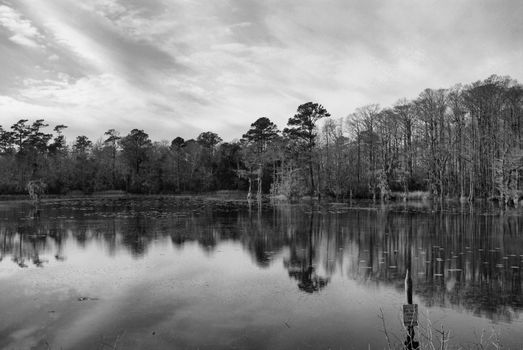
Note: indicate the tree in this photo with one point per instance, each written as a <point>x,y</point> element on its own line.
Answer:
<point>208,139</point>
<point>256,143</point>
<point>32,145</point>
<point>59,141</point>
<point>112,142</point>
<point>207,163</point>
<point>431,107</point>
<point>135,147</point>
<point>486,101</point>
<point>466,141</point>
<point>335,154</point>
<point>302,127</point>
<point>83,165</point>
<point>177,145</point>
<point>6,141</point>
<point>196,168</point>
<point>461,152</point>
<point>37,139</point>
<point>36,189</point>
<point>262,132</point>
<point>405,111</point>
<point>229,161</point>
<point>82,146</point>
<point>20,132</point>
<point>368,143</point>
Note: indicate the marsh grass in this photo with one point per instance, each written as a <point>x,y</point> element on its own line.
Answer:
<point>438,337</point>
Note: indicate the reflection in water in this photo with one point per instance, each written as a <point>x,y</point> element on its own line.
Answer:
<point>458,260</point>
<point>301,268</point>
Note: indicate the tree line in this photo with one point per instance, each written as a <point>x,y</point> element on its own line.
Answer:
<point>464,141</point>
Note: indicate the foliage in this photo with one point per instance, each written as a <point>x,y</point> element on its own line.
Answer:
<point>302,129</point>
<point>36,188</point>
<point>257,150</point>
<point>208,139</point>
<point>464,141</point>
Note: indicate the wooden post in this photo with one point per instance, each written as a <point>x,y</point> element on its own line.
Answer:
<point>408,288</point>
<point>410,312</point>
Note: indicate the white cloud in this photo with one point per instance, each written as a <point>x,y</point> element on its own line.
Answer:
<point>79,43</point>
<point>23,40</point>
<point>182,67</point>
<point>24,33</point>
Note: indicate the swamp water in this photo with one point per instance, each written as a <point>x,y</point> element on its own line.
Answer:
<point>181,273</point>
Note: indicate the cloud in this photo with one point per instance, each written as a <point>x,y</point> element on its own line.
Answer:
<point>24,33</point>
<point>92,105</point>
<point>177,68</point>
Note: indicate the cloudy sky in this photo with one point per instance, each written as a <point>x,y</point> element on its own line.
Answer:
<point>180,67</point>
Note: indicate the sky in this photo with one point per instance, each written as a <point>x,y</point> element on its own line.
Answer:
<point>181,67</point>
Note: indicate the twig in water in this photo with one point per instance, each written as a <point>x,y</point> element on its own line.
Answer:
<point>113,346</point>
<point>443,342</point>
<point>385,329</point>
<point>116,340</point>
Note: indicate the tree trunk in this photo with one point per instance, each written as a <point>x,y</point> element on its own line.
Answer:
<point>311,172</point>
<point>260,174</point>
<point>249,194</point>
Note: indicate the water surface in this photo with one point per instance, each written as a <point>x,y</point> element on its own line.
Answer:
<point>180,273</point>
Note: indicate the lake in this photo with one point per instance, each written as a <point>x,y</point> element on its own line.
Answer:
<point>194,273</point>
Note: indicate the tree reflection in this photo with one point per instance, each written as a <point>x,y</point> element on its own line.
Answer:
<point>19,256</point>
<point>465,260</point>
<point>301,268</point>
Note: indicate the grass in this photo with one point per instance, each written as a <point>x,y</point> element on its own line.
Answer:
<point>434,338</point>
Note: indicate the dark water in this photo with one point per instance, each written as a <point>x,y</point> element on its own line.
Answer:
<point>195,274</point>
